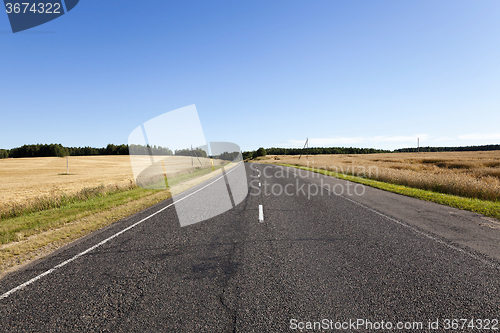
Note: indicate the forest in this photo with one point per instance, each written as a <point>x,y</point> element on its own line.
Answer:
<point>55,149</point>
<point>343,150</point>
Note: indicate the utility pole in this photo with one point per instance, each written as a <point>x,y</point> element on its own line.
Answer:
<point>418,145</point>
<point>307,148</point>
<point>67,165</point>
<point>193,153</point>
<point>305,144</point>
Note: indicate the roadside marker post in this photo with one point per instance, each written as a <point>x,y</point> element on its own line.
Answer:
<point>164,173</point>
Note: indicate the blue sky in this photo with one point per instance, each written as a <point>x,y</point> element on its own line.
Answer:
<point>261,73</point>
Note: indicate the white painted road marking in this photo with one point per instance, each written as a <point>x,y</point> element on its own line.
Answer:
<point>487,262</point>
<point>27,283</point>
<point>261,214</point>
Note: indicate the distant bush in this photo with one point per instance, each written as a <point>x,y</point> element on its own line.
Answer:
<point>247,155</point>
<point>260,152</point>
<point>4,153</point>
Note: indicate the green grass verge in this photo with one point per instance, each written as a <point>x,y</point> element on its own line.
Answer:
<point>56,201</point>
<point>172,181</point>
<point>169,182</point>
<point>20,227</point>
<point>51,213</point>
<point>487,208</point>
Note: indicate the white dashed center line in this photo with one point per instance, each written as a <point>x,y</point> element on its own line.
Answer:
<point>261,213</point>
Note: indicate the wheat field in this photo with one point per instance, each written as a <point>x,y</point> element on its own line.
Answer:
<point>467,174</point>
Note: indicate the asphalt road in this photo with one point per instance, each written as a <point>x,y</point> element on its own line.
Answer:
<point>302,257</point>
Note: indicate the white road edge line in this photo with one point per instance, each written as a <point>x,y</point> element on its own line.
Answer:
<point>484,261</point>
<point>261,213</point>
<point>64,263</point>
<point>437,240</point>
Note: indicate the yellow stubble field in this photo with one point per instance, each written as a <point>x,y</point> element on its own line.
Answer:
<point>24,179</point>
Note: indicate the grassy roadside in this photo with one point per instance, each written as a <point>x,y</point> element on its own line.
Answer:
<point>172,181</point>
<point>56,201</point>
<point>33,235</point>
<point>41,214</point>
<point>34,230</point>
<point>197,173</point>
<point>487,208</point>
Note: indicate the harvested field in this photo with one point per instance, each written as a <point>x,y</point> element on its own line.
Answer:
<point>467,174</point>
<point>25,179</point>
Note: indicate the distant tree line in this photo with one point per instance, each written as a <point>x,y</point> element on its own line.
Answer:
<point>55,149</point>
<point>198,152</point>
<point>311,151</point>
<point>437,149</point>
<point>323,150</point>
<point>146,150</point>
<point>341,150</point>
<point>227,156</point>
<point>109,150</point>
<point>39,150</point>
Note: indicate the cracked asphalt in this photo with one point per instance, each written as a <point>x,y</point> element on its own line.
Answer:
<point>377,256</point>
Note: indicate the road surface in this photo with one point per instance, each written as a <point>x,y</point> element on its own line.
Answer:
<point>277,262</point>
